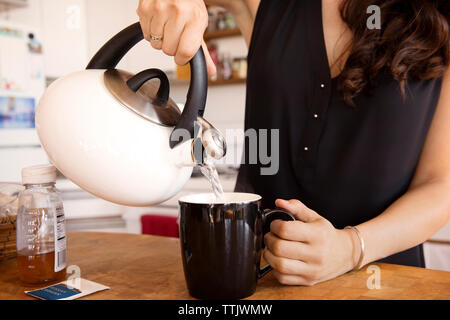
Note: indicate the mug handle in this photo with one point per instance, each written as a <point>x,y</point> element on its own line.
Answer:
<point>268,217</point>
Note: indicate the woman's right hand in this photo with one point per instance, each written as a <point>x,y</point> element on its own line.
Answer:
<point>181,25</point>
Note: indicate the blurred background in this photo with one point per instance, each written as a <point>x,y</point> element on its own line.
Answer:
<point>42,40</point>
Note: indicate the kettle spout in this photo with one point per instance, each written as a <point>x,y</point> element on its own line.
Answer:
<point>212,140</point>
<point>189,154</point>
<point>210,144</point>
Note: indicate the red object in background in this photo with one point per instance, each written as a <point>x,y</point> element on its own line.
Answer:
<point>214,53</point>
<point>160,226</point>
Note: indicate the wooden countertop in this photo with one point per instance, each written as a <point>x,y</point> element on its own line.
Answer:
<point>147,267</point>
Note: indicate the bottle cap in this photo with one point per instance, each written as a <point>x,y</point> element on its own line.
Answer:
<point>39,174</point>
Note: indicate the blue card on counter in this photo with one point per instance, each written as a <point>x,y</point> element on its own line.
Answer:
<point>56,292</point>
<point>68,290</point>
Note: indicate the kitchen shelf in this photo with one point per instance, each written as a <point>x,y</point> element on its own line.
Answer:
<point>178,82</point>
<point>6,5</point>
<point>222,34</point>
<point>220,82</point>
<point>229,81</point>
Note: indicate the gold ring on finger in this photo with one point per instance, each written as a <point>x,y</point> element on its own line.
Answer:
<point>156,38</point>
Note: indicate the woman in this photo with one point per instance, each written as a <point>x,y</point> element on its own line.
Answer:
<point>363,117</point>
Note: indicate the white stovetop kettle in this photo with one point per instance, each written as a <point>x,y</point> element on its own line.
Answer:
<point>119,136</point>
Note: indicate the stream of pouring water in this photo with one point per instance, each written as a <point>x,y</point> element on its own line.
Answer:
<point>210,172</point>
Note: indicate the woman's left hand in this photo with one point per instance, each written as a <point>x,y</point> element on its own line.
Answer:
<point>309,250</point>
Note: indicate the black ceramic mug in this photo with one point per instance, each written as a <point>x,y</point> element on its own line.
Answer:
<point>221,243</point>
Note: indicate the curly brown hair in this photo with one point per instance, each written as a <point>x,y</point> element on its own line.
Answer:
<point>414,41</point>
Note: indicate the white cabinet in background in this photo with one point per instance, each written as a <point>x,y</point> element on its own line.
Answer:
<point>12,160</point>
<point>105,18</point>
<point>29,15</point>
<point>74,30</point>
<point>64,31</point>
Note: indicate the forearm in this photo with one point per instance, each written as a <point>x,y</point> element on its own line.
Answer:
<point>311,250</point>
<point>244,19</point>
<point>409,221</point>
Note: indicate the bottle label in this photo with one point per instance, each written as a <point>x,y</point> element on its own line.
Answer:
<point>60,239</point>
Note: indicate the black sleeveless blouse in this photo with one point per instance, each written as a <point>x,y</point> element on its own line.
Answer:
<point>348,164</point>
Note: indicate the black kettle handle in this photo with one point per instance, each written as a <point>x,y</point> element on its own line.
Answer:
<point>115,49</point>
<point>195,100</point>
<point>136,82</point>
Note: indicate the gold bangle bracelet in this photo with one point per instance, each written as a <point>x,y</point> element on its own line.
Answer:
<point>361,242</point>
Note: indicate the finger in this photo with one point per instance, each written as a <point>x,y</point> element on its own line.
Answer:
<point>298,209</point>
<point>172,35</point>
<point>157,27</point>
<point>292,230</point>
<point>210,65</point>
<point>190,42</point>
<point>145,16</point>
<point>286,266</point>
<point>145,26</point>
<point>288,249</point>
<point>291,280</point>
